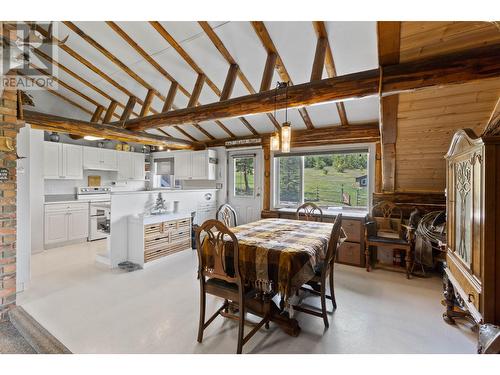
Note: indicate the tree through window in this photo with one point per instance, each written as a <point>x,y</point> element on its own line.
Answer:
<point>244,176</point>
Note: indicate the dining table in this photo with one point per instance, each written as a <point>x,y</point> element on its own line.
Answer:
<point>278,256</point>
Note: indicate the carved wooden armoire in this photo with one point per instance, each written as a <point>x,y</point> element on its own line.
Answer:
<point>473,220</point>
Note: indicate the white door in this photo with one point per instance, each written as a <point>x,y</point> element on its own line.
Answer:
<point>52,158</point>
<point>245,171</point>
<point>73,161</point>
<point>199,165</point>
<point>108,159</point>
<point>56,225</point>
<point>78,224</point>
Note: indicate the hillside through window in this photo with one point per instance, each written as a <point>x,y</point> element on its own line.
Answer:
<point>328,180</point>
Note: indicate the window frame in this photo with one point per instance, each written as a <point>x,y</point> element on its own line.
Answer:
<point>370,170</point>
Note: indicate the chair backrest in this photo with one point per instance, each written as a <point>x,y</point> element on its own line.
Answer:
<point>388,216</point>
<point>333,243</point>
<point>310,212</point>
<point>225,213</point>
<point>216,246</point>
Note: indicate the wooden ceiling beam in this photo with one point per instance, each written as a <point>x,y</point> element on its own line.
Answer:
<point>472,65</point>
<point>267,42</point>
<point>388,37</point>
<point>97,114</point>
<point>79,78</point>
<point>358,133</point>
<point>320,28</point>
<point>110,112</point>
<point>267,74</point>
<point>198,86</point>
<point>178,48</point>
<point>217,42</point>
<point>231,76</point>
<point>82,128</point>
<point>148,100</point>
<point>172,91</point>
<point>319,59</point>
<point>128,109</point>
<point>85,62</point>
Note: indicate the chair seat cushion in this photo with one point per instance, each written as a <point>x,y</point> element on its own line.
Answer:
<point>387,240</point>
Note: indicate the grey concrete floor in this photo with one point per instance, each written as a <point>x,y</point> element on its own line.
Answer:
<point>92,309</point>
<point>11,341</point>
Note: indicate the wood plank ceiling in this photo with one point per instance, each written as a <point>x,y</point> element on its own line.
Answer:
<point>142,64</point>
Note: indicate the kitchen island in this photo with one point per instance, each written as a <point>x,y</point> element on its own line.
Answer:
<point>202,202</point>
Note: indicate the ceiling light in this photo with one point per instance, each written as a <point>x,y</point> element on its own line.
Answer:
<point>286,135</point>
<point>92,138</point>
<point>275,142</point>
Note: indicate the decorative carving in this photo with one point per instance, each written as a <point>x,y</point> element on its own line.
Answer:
<point>464,184</point>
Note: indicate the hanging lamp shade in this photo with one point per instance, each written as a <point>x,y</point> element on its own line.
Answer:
<point>275,142</point>
<point>286,136</point>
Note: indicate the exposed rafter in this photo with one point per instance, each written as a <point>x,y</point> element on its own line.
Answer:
<point>319,27</point>
<point>456,68</point>
<point>79,78</point>
<point>178,48</point>
<point>113,59</point>
<point>267,42</point>
<point>217,42</point>
<point>82,128</point>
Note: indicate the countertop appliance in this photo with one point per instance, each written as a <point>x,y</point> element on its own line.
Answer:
<point>99,199</point>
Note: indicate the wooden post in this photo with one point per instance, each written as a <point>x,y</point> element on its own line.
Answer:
<point>148,100</point>
<point>170,96</point>
<point>110,111</point>
<point>127,111</point>
<point>195,95</point>
<point>227,90</point>
<point>97,114</point>
<point>267,75</point>
<point>319,59</point>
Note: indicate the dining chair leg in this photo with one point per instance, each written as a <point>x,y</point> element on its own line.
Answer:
<point>367,257</point>
<point>202,313</point>
<point>323,304</point>
<point>241,325</point>
<point>332,289</point>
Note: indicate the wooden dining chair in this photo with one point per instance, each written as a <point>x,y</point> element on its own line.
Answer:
<point>222,280</point>
<point>326,269</point>
<point>227,214</point>
<point>309,212</point>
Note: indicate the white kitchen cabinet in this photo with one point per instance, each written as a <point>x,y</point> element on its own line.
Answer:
<point>130,166</point>
<point>62,161</point>
<point>182,165</point>
<point>99,159</point>
<point>195,165</point>
<point>65,222</point>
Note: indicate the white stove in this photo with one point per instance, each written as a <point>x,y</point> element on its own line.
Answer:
<point>94,193</point>
<point>100,210</point>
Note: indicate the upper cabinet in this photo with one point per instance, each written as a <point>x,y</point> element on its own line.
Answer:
<point>130,166</point>
<point>99,159</point>
<point>195,165</point>
<point>63,161</point>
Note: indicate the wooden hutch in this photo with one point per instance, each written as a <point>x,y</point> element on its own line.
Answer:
<point>473,209</point>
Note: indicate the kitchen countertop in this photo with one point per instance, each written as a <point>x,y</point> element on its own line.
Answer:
<point>168,216</point>
<point>63,198</point>
<point>155,191</point>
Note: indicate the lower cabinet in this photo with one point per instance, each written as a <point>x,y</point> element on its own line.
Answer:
<point>65,222</point>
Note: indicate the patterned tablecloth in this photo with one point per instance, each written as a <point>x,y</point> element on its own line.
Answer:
<point>280,255</point>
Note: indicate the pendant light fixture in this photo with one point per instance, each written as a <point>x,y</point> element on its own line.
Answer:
<point>286,128</point>
<point>275,138</point>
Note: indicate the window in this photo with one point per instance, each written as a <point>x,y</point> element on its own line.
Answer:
<point>330,179</point>
<point>244,176</point>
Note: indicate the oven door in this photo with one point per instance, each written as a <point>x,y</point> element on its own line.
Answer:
<point>99,227</point>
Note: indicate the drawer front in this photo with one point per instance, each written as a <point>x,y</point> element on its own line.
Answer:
<point>352,229</point>
<point>153,230</point>
<point>184,223</point>
<point>473,295</point>
<point>153,254</point>
<point>180,235</point>
<point>349,252</point>
<point>66,207</point>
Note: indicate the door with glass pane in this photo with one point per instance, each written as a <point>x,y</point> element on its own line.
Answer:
<point>245,184</point>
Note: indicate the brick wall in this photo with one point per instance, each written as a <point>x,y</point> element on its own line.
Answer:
<point>9,127</point>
